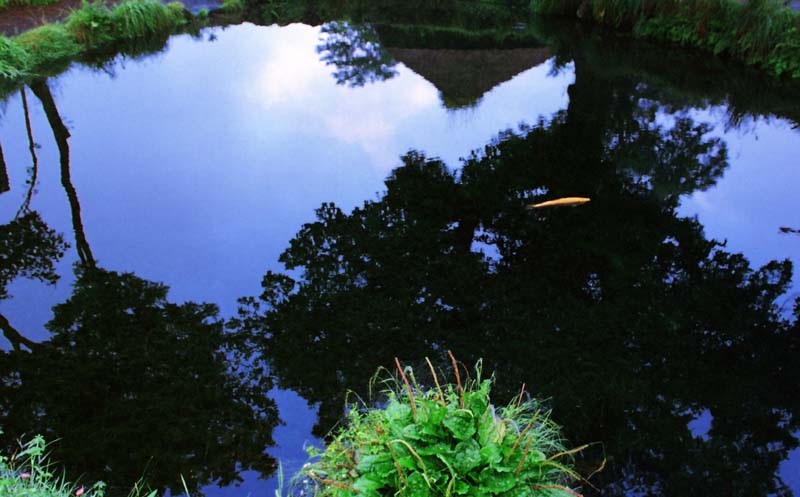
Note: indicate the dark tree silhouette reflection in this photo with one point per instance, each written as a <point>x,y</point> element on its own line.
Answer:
<point>621,311</point>
<point>355,51</point>
<point>132,384</point>
<point>28,249</point>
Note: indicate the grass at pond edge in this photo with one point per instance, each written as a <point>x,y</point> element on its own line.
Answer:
<point>762,33</point>
<point>92,29</point>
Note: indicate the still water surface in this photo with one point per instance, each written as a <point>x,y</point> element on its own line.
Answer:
<point>198,167</point>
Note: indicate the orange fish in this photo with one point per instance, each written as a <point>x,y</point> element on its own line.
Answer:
<point>561,202</point>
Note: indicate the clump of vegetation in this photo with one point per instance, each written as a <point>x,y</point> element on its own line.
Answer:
<point>443,441</point>
<point>94,28</point>
<point>98,27</point>
<point>13,59</point>
<point>142,20</point>
<point>91,25</point>
<point>48,43</point>
<point>763,33</point>
<point>28,473</point>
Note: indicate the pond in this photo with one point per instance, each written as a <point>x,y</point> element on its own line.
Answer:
<point>317,200</point>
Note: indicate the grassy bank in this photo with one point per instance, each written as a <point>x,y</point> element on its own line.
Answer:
<point>90,30</point>
<point>763,33</point>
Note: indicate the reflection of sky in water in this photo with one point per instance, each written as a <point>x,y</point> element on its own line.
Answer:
<point>198,175</point>
<point>756,196</point>
<point>196,167</point>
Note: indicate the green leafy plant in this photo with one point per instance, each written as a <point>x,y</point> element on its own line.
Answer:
<point>443,441</point>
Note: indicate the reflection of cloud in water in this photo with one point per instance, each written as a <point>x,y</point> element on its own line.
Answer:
<point>385,119</point>
<point>294,80</point>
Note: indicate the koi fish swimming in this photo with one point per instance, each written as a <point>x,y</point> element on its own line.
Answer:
<point>561,202</point>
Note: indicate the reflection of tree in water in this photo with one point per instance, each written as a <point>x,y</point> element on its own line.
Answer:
<point>621,311</point>
<point>133,384</point>
<point>356,52</point>
<point>61,135</point>
<point>28,249</point>
<point>130,383</point>
<point>5,184</point>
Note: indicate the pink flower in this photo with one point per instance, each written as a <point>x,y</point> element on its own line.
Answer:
<point>25,476</point>
<point>79,492</point>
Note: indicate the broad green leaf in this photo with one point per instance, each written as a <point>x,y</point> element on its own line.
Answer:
<point>377,464</point>
<point>430,412</point>
<point>495,483</point>
<point>491,430</point>
<point>491,454</point>
<point>417,486</point>
<point>477,402</point>
<point>460,424</point>
<point>407,462</point>
<point>441,448</point>
<point>461,487</point>
<point>467,456</point>
<point>369,485</point>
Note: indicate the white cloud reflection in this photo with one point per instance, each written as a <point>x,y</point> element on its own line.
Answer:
<point>385,119</point>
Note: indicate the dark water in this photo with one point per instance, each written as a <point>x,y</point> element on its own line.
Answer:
<point>659,318</point>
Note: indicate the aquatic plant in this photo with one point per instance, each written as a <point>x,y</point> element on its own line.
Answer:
<point>763,33</point>
<point>449,440</point>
